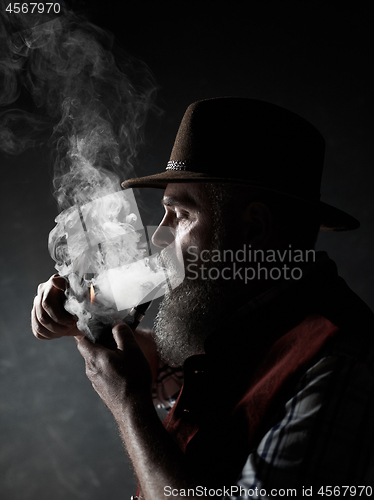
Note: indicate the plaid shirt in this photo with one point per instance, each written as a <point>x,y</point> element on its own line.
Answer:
<point>325,435</point>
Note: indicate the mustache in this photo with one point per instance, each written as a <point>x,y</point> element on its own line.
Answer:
<point>167,259</point>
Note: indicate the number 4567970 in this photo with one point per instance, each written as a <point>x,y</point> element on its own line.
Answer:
<point>38,8</point>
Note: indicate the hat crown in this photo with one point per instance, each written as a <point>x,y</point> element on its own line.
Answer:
<point>251,140</point>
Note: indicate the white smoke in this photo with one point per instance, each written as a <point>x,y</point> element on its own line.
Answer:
<point>105,253</point>
<point>90,99</point>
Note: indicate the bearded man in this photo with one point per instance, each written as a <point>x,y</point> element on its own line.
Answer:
<point>276,350</point>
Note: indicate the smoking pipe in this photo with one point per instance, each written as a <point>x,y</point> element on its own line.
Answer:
<point>103,332</point>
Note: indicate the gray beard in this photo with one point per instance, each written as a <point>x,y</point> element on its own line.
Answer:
<point>186,316</point>
<point>190,312</point>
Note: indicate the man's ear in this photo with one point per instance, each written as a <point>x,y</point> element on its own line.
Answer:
<point>258,224</point>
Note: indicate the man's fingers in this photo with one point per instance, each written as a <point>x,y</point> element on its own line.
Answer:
<point>59,282</point>
<point>87,348</point>
<point>95,356</point>
<point>37,329</point>
<point>40,331</point>
<point>49,319</point>
<point>116,374</point>
<point>53,331</point>
<point>52,324</point>
<point>123,336</point>
<point>52,303</point>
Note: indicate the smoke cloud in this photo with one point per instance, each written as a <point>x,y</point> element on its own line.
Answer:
<point>88,100</point>
<point>94,95</point>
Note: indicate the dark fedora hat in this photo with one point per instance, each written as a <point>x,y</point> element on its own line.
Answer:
<point>250,142</point>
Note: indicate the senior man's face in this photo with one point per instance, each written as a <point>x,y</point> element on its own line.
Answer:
<point>190,312</point>
<point>188,221</point>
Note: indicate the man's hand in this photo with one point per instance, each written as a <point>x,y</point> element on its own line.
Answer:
<point>49,319</point>
<point>123,380</point>
<point>119,377</point>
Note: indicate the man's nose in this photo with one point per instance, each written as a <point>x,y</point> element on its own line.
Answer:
<point>163,236</point>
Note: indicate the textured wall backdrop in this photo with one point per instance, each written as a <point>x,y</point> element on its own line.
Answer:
<point>57,438</point>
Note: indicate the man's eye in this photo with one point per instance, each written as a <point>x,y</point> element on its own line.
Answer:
<point>181,216</point>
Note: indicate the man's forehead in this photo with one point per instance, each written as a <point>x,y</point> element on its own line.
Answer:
<point>192,194</point>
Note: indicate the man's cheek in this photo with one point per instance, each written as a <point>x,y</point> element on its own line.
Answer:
<point>191,255</point>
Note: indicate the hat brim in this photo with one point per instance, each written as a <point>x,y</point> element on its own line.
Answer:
<point>332,218</point>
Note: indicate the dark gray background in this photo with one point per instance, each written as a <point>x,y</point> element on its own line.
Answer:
<point>57,438</point>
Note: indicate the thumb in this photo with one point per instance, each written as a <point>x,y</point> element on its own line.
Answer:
<point>123,336</point>
<point>59,282</point>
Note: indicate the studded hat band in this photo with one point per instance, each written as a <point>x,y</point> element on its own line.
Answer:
<point>176,165</point>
